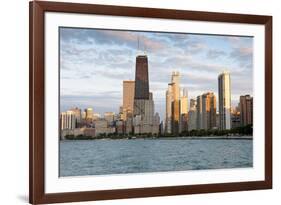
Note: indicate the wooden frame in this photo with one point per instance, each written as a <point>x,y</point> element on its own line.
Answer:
<point>36,151</point>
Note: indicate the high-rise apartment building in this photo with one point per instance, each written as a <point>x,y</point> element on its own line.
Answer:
<point>78,116</point>
<point>246,110</point>
<point>192,115</point>
<point>128,95</point>
<point>224,91</point>
<point>206,111</point>
<point>176,106</point>
<point>175,102</point>
<point>169,100</point>
<point>209,108</point>
<point>183,110</point>
<point>67,120</point>
<point>199,111</point>
<point>184,101</point>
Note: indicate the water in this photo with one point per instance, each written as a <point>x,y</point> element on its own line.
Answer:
<point>95,157</point>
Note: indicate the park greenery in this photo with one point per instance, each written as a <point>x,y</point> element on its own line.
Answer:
<point>244,130</point>
<point>238,131</point>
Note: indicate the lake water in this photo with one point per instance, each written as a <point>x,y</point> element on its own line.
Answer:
<point>96,157</point>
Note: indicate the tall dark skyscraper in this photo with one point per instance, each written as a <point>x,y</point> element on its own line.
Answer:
<point>144,119</point>
<point>141,80</point>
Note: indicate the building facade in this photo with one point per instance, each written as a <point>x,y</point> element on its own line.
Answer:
<point>89,114</point>
<point>67,120</point>
<point>184,100</point>
<point>128,97</point>
<point>183,110</point>
<point>143,110</point>
<point>78,116</point>
<point>224,91</point>
<point>176,102</point>
<point>176,120</point>
<point>169,100</point>
<point>246,110</point>
<point>141,78</point>
<point>209,107</point>
<point>192,115</point>
<point>109,117</point>
<point>101,127</point>
<point>199,111</point>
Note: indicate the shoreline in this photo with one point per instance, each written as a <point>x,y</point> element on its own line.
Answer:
<point>247,137</point>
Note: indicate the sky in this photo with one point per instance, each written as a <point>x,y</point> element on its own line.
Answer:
<point>94,63</point>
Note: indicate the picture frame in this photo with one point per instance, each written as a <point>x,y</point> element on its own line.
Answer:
<point>37,99</point>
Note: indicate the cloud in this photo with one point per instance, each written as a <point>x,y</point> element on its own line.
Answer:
<point>75,35</point>
<point>94,63</point>
<point>98,101</point>
<point>195,47</point>
<point>213,53</point>
<point>117,75</point>
<point>242,53</point>
<point>135,39</point>
<point>190,46</point>
<point>243,56</point>
<point>110,37</point>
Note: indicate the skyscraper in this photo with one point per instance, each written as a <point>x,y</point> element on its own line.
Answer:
<point>143,100</point>
<point>199,117</point>
<point>141,78</point>
<point>183,109</point>
<point>128,95</point>
<point>176,102</point>
<point>246,110</point>
<point>192,115</point>
<point>209,108</point>
<point>78,115</point>
<point>206,111</point>
<point>128,98</point>
<point>141,85</point>
<point>173,105</point>
<point>224,90</point>
<point>169,99</point>
<point>183,101</point>
<point>67,120</point>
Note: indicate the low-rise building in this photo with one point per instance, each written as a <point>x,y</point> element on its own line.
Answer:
<point>129,125</point>
<point>109,117</point>
<point>89,132</point>
<point>101,127</point>
<point>120,127</point>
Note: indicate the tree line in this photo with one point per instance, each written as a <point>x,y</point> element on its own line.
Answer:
<point>243,130</point>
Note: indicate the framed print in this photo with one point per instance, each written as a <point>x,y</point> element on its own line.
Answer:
<point>132,102</point>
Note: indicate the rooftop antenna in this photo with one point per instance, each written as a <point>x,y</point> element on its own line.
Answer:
<point>138,42</point>
<point>144,49</point>
<point>138,52</point>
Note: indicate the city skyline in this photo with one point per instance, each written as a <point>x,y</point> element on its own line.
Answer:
<point>90,58</point>
<point>137,113</point>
